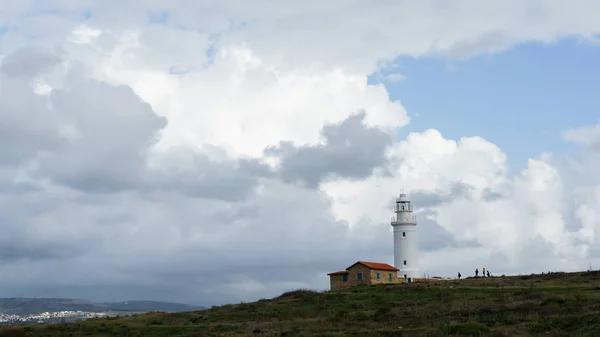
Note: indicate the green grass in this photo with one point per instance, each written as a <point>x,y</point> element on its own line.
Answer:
<point>556,304</point>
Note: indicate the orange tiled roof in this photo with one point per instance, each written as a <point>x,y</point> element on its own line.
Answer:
<point>375,265</point>
<point>343,272</point>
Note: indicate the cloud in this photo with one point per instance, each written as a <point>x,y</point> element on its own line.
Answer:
<point>588,136</point>
<point>350,150</point>
<point>228,153</point>
<point>85,134</point>
<point>392,78</point>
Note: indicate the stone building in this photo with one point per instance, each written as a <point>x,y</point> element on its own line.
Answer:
<point>363,272</point>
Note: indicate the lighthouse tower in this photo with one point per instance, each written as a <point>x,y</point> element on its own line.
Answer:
<point>405,230</point>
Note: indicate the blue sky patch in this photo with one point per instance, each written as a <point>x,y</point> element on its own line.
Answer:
<point>158,17</point>
<point>520,100</point>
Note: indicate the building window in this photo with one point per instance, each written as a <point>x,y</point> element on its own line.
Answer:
<point>377,276</point>
<point>359,276</point>
<point>345,278</point>
<point>390,276</point>
<point>404,234</point>
<point>405,262</point>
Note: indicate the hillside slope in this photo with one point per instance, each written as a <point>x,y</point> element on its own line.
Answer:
<point>556,304</point>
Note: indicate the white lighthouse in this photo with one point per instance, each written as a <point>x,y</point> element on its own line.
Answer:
<point>405,230</point>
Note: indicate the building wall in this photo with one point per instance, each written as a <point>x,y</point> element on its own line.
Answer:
<point>353,275</point>
<point>337,282</point>
<point>383,276</point>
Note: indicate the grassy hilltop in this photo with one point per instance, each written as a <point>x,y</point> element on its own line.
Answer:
<point>555,304</point>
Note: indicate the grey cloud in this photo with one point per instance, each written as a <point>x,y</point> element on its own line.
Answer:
<point>107,293</point>
<point>163,242</point>
<point>432,237</point>
<point>226,179</point>
<point>17,188</point>
<point>580,178</point>
<point>28,62</point>
<point>114,130</point>
<point>351,150</point>
<point>542,257</point>
<point>425,199</point>
<point>464,49</point>
<point>595,254</point>
<point>26,125</point>
<point>489,195</point>
<point>458,190</point>
<point>24,221</point>
<point>16,247</point>
<point>86,134</point>
<point>11,183</point>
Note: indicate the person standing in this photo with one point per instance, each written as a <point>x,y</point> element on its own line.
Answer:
<point>459,275</point>
<point>476,272</point>
<point>483,272</point>
<point>488,273</point>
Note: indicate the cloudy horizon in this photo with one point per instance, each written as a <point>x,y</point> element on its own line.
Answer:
<point>214,152</point>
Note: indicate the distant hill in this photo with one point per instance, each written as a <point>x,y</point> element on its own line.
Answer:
<point>151,306</point>
<point>25,306</point>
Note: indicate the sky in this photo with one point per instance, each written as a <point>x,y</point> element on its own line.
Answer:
<point>508,95</point>
<point>211,152</point>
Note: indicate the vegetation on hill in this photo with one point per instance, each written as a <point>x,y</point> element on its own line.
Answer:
<point>554,304</point>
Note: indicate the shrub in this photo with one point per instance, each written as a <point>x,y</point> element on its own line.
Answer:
<point>580,297</point>
<point>361,316</point>
<point>298,294</point>
<point>156,322</point>
<point>553,300</point>
<point>12,332</point>
<point>467,329</point>
<point>339,316</point>
<point>382,314</point>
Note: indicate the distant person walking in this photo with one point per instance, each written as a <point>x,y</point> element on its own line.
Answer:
<point>476,272</point>
<point>459,275</point>
<point>483,272</point>
<point>488,273</point>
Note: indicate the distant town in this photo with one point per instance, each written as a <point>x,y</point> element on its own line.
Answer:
<point>49,317</point>
<point>57,310</point>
